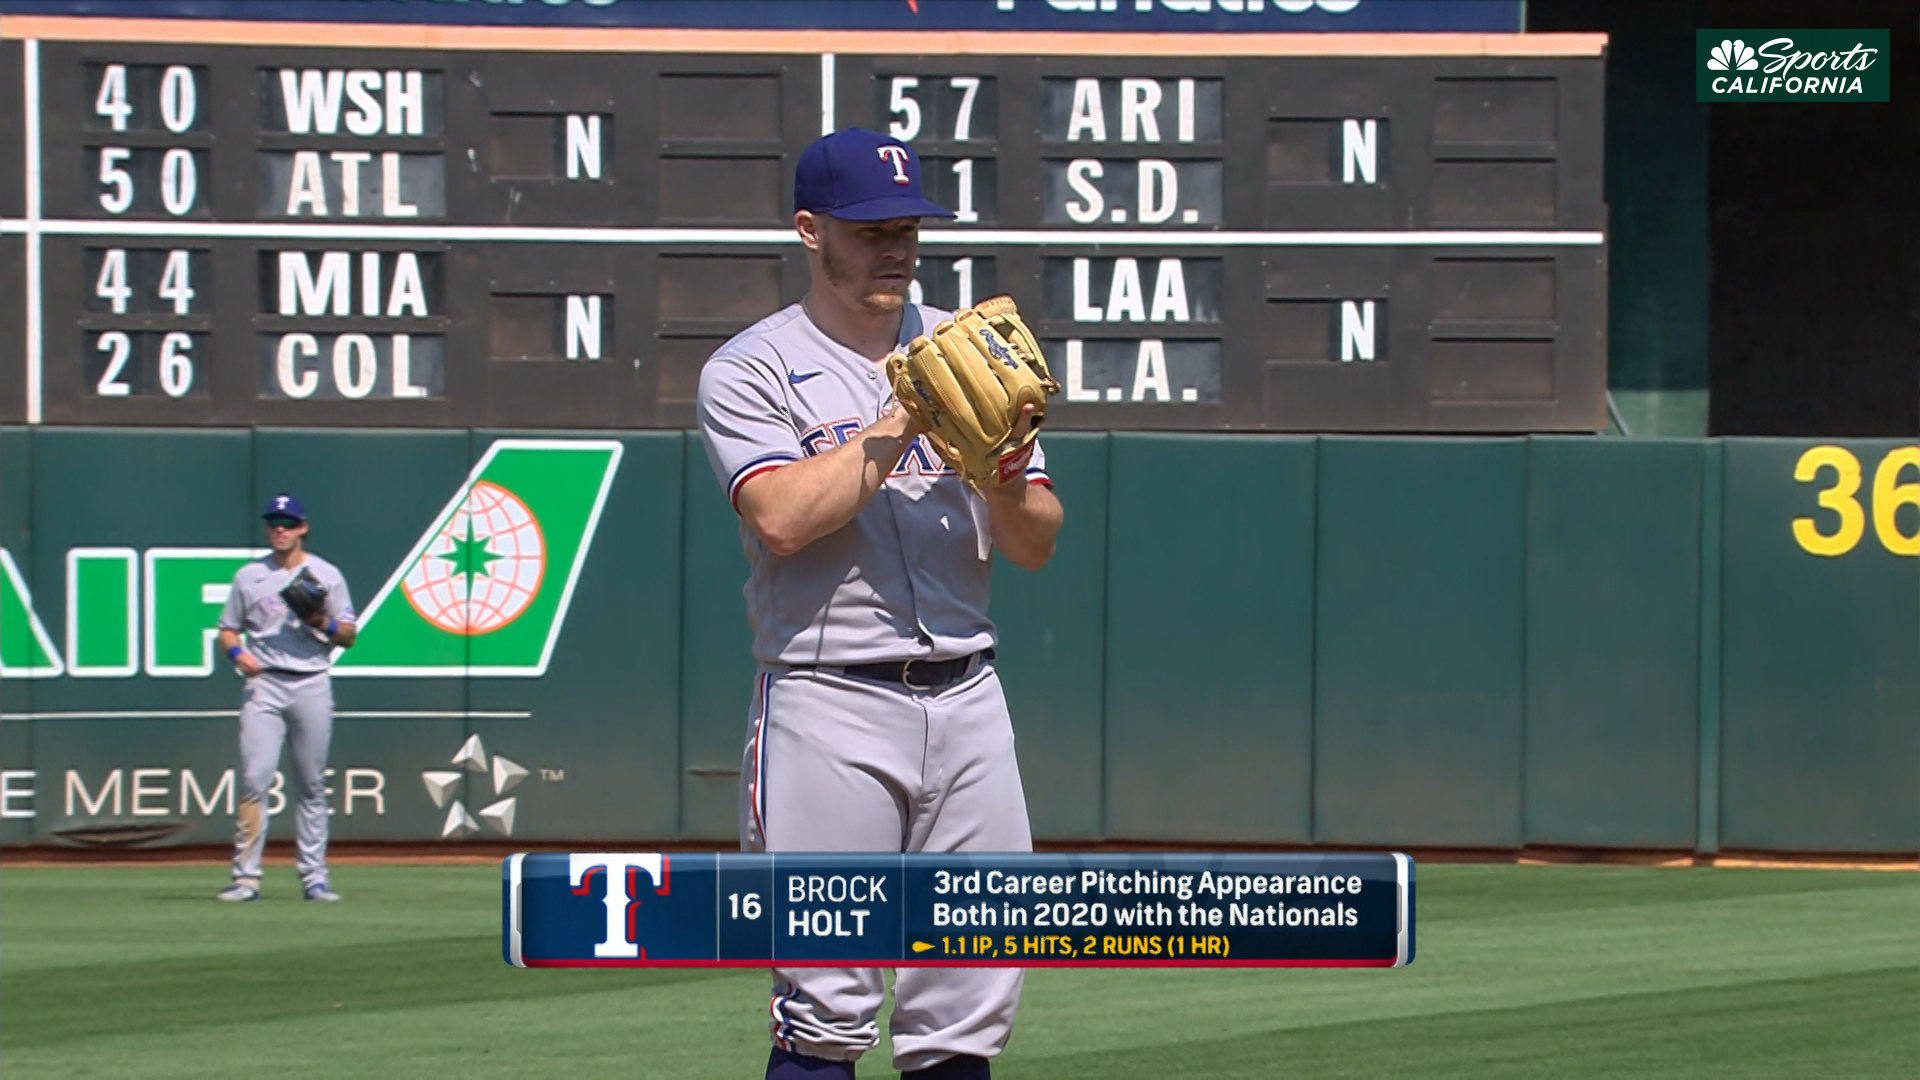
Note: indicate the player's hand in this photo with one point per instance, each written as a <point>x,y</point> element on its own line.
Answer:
<point>248,664</point>
<point>897,424</point>
<point>318,620</point>
<point>1022,425</point>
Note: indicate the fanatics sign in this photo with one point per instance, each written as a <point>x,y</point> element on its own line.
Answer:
<point>1791,65</point>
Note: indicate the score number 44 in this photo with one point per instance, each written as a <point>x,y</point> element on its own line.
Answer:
<point>1842,497</point>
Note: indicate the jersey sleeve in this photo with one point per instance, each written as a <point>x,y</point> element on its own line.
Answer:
<point>1037,466</point>
<point>233,613</point>
<point>744,421</point>
<point>339,601</point>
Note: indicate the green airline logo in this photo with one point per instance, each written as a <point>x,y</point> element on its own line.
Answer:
<point>483,592</point>
<point>486,589</point>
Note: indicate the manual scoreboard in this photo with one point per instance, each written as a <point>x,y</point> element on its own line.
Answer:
<point>342,226</point>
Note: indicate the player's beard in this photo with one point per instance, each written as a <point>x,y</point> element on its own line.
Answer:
<point>852,282</point>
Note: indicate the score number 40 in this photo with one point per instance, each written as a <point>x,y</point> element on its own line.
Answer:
<point>1888,496</point>
<point>178,170</point>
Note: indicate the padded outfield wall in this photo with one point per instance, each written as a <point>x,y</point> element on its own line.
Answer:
<point>1485,643</point>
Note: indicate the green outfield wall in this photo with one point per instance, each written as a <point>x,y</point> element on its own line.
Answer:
<point>1474,643</point>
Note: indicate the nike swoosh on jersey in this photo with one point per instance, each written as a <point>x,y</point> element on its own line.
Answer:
<point>798,377</point>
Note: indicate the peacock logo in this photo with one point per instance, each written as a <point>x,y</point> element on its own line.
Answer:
<point>1734,55</point>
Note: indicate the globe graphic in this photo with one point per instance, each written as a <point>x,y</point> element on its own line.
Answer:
<point>484,567</point>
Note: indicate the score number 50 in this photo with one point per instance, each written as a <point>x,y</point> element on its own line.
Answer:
<point>1842,497</point>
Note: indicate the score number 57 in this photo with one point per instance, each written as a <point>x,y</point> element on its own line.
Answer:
<point>930,112</point>
<point>1842,497</point>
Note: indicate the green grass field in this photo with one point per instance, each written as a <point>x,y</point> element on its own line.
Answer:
<point>1522,971</point>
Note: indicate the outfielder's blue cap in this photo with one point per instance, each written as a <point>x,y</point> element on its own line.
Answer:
<point>860,175</point>
<point>284,505</point>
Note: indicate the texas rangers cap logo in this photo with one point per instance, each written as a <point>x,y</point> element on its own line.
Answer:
<point>897,157</point>
<point>860,175</point>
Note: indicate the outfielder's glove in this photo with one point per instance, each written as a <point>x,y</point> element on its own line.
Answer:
<point>965,386</point>
<point>305,597</point>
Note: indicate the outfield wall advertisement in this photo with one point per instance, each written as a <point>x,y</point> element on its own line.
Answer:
<point>1609,644</point>
<point>464,572</point>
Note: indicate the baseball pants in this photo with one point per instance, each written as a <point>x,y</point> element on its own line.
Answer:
<point>297,710</point>
<point>835,763</point>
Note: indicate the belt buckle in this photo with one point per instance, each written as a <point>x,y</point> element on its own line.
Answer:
<point>906,676</point>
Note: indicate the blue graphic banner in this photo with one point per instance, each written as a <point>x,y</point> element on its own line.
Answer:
<point>608,909</point>
<point>1155,16</point>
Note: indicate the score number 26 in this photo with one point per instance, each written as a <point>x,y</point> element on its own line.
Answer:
<point>1842,497</point>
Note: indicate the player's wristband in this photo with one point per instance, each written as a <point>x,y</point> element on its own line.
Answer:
<point>333,627</point>
<point>233,652</point>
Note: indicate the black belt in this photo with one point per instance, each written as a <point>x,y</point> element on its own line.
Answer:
<point>919,674</point>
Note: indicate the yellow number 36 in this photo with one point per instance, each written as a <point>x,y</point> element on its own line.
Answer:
<point>1842,498</point>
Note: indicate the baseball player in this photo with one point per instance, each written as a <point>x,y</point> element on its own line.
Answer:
<point>878,722</point>
<point>289,696</point>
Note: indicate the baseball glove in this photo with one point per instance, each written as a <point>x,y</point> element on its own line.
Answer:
<point>305,597</point>
<point>965,385</point>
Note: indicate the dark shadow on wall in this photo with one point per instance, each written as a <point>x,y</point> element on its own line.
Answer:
<point>1815,291</point>
<point>1764,259</point>
<point>1656,190</point>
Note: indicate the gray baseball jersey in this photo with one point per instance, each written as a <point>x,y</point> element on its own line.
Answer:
<point>291,703</point>
<point>274,636</point>
<point>834,762</point>
<point>907,578</point>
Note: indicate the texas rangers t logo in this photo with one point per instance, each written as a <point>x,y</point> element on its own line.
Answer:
<point>623,894</point>
<point>897,156</point>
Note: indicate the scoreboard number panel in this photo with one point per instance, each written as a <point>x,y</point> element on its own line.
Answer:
<point>13,387</point>
<point>13,241</point>
<point>1328,232</point>
<point>1300,243</point>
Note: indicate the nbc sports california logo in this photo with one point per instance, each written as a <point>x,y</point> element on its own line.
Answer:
<point>1792,65</point>
<point>1731,56</point>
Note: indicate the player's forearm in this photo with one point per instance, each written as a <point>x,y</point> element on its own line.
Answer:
<point>1024,520</point>
<point>793,506</point>
<point>343,635</point>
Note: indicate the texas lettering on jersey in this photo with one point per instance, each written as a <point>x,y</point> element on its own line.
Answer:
<point>919,460</point>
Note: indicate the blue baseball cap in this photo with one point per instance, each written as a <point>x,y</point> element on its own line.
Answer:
<point>860,175</point>
<point>284,505</point>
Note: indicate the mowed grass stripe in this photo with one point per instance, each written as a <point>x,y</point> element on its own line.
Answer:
<point>136,972</point>
<point>1854,1025</point>
<point>108,915</point>
<point>1468,965</point>
<point>714,1027</point>
<point>49,1007</point>
<point>1494,891</point>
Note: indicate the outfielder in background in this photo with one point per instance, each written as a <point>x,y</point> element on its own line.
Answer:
<point>878,723</point>
<point>292,608</point>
